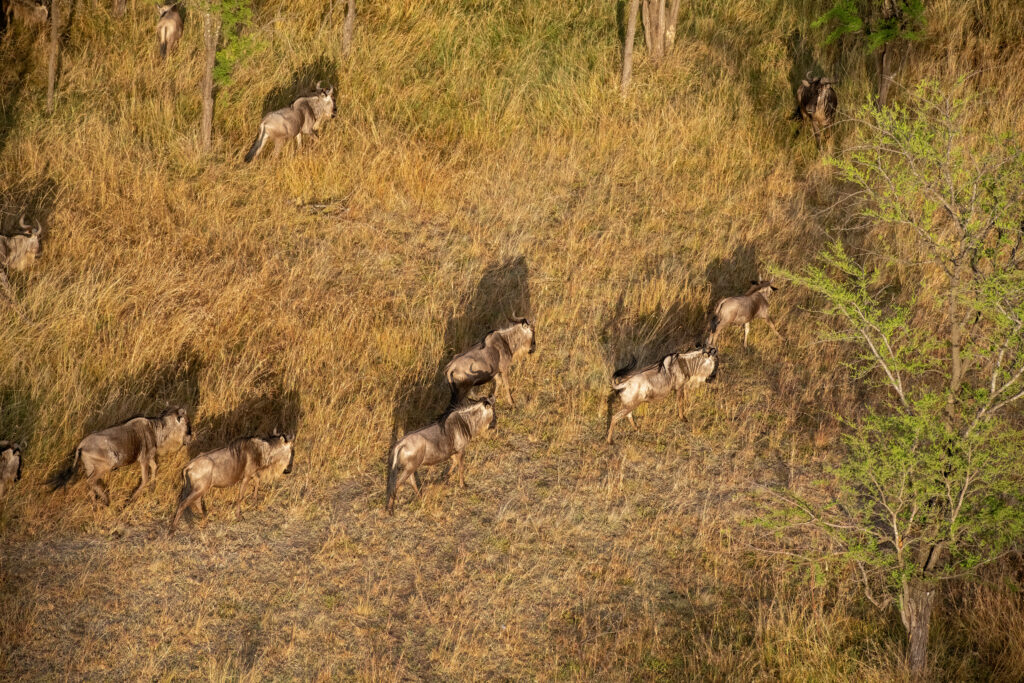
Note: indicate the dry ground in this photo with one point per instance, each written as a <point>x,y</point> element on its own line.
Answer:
<point>481,165</point>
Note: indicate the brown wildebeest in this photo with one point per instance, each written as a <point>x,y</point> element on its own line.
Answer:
<point>816,103</point>
<point>672,373</point>
<point>26,12</point>
<point>740,310</point>
<point>246,460</point>
<point>305,116</point>
<point>10,464</point>
<point>138,439</point>
<point>168,28</point>
<point>19,251</point>
<point>491,359</point>
<point>445,438</point>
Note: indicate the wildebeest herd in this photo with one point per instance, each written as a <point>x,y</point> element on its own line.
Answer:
<point>247,461</point>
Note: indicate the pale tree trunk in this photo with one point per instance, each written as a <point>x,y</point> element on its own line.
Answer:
<point>118,8</point>
<point>627,46</point>
<point>211,35</point>
<point>51,74</point>
<point>916,605</point>
<point>885,59</point>
<point>670,26</point>
<point>349,28</point>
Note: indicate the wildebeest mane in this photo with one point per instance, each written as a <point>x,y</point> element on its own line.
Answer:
<point>248,448</point>
<point>455,425</point>
<point>625,369</point>
<point>501,344</point>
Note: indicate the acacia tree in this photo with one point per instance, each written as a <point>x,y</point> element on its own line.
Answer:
<point>224,45</point>
<point>659,19</point>
<point>930,486</point>
<point>884,24</point>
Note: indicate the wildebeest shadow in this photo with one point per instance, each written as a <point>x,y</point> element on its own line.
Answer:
<point>17,62</point>
<point>278,409</point>
<point>34,197</point>
<point>302,82</point>
<point>150,391</point>
<point>801,60</point>
<point>502,292</point>
<point>18,418</point>
<point>645,336</point>
<point>731,275</point>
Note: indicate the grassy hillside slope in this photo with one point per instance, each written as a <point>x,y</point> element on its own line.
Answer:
<point>481,164</point>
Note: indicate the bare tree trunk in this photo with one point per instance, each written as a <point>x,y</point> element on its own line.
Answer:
<point>916,605</point>
<point>51,74</point>
<point>118,8</point>
<point>885,59</point>
<point>645,12</point>
<point>349,29</point>
<point>670,26</point>
<point>655,22</point>
<point>659,34</point>
<point>211,35</point>
<point>627,46</point>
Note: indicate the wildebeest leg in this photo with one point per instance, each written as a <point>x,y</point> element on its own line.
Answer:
<point>632,421</point>
<point>774,329</point>
<point>618,415</point>
<point>255,490</point>
<point>746,332</point>
<point>298,141</point>
<point>192,500</point>
<point>144,466</point>
<point>681,395</point>
<point>277,147</point>
<point>459,463</point>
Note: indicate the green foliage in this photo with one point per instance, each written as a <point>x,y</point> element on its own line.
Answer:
<point>868,18</point>
<point>934,308</point>
<point>235,44</point>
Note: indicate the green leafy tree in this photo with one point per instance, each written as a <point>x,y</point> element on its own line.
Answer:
<point>883,23</point>
<point>225,43</point>
<point>930,486</point>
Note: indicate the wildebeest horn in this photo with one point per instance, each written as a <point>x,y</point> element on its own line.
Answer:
<point>805,83</point>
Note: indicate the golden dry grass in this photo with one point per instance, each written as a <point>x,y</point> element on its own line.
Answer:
<point>481,162</point>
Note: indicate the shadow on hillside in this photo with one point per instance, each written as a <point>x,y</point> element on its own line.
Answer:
<point>801,61</point>
<point>303,82</point>
<point>18,416</point>
<point>731,276</point>
<point>35,198</point>
<point>261,415</point>
<point>151,391</point>
<point>502,292</point>
<point>16,67</point>
<point>645,337</point>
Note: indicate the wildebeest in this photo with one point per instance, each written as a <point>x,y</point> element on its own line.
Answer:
<point>168,28</point>
<point>26,12</point>
<point>19,251</point>
<point>305,116</point>
<point>10,464</point>
<point>246,460</point>
<point>446,438</point>
<point>816,103</point>
<point>138,439</point>
<point>491,359</point>
<point>672,373</point>
<point>740,310</point>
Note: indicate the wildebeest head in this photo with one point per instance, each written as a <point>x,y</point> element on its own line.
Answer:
<point>10,463</point>
<point>325,100</point>
<point>488,408</point>
<point>280,455</point>
<point>175,427</point>
<point>527,330</point>
<point>164,9</point>
<point>711,352</point>
<point>763,287</point>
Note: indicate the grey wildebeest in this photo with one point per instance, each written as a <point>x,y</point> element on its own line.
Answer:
<point>816,103</point>
<point>446,438</point>
<point>19,251</point>
<point>740,310</point>
<point>672,373</point>
<point>305,116</point>
<point>168,28</point>
<point>491,359</point>
<point>138,439</point>
<point>247,460</point>
<point>26,12</point>
<point>10,464</point>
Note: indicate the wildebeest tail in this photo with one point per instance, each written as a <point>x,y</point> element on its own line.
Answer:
<point>714,323</point>
<point>62,477</point>
<point>163,49</point>
<point>257,144</point>
<point>622,372</point>
<point>186,491</point>
<point>392,476</point>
